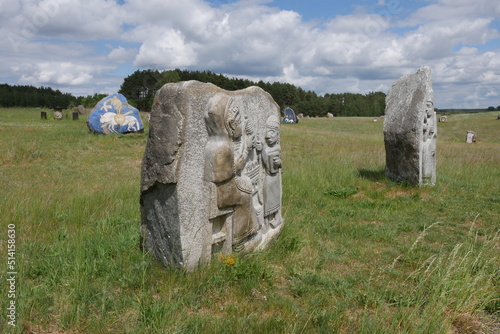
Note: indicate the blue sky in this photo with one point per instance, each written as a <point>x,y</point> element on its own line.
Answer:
<point>87,47</point>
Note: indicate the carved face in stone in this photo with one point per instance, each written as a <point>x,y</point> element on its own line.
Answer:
<point>429,108</point>
<point>271,136</point>
<point>272,130</point>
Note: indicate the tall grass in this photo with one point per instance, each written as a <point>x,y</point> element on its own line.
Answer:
<point>358,253</point>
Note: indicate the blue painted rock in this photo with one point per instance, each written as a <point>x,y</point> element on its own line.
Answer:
<point>113,114</point>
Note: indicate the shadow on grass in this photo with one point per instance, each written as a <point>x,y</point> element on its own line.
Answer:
<point>372,175</point>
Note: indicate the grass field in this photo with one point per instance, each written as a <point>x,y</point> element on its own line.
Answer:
<point>358,253</point>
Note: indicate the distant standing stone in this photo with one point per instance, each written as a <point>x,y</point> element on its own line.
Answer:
<point>329,115</point>
<point>58,114</point>
<point>471,137</point>
<point>113,114</point>
<point>81,109</point>
<point>410,130</point>
<point>498,117</point>
<point>443,119</point>
<point>211,173</point>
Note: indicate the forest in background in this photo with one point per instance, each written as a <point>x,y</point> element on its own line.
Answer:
<point>140,87</point>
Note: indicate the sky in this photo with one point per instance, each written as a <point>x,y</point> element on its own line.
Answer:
<point>329,46</point>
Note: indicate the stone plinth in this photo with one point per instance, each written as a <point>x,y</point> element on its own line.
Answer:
<point>410,130</point>
<point>211,173</point>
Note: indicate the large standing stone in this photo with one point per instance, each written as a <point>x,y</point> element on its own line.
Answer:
<point>113,114</point>
<point>410,130</point>
<point>211,173</point>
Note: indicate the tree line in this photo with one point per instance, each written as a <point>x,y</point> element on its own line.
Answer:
<point>46,97</point>
<point>29,96</point>
<point>139,88</point>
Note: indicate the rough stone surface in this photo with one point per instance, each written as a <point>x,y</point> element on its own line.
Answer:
<point>443,119</point>
<point>58,115</point>
<point>114,115</point>
<point>329,115</point>
<point>211,173</point>
<point>410,130</point>
<point>471,137</point>
<point>81,110</point>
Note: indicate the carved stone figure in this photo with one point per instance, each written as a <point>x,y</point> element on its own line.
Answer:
<point>428,153</point>
<point>271,159</point>
<point>207,180</point>
<point>226,160</point>
<point>471,137</point>
<point>410,130</point>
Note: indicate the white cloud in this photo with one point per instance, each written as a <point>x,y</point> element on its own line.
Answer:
<point>55,73</point>
<point>121,54</point>
<point>67,19</point>
<point>169,50</point>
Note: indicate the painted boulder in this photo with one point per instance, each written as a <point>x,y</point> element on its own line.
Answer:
<point>113,114</point>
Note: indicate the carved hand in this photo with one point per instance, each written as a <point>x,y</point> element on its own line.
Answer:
<point>240,163</point>
<point>277,162</point>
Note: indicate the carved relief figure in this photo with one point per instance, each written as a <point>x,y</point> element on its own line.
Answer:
<point>227,156</point>
<point>429,134</point>
<point>271,159</point>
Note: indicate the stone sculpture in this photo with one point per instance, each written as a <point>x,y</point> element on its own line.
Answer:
<point>113,114</point>
<point>290,116</point>
<point>410,130</point>
<point>471,137</point>
<point>211,173</point>
<point>81,109</point>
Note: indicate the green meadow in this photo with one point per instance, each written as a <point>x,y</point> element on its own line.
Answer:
<point>358,253</point>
